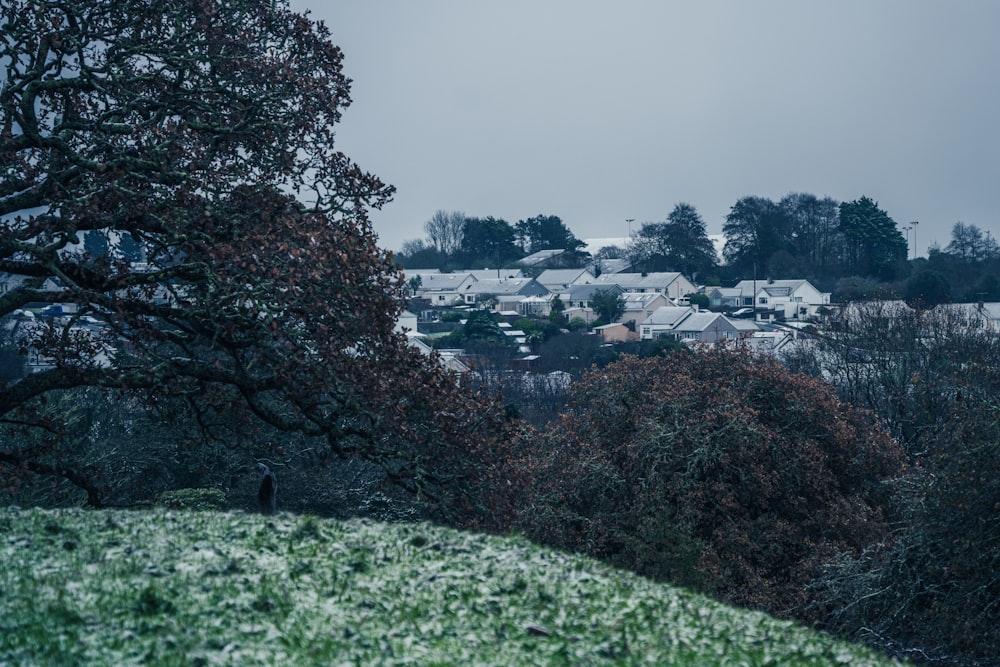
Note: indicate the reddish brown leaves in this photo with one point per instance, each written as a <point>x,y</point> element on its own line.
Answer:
<point>717,470</point>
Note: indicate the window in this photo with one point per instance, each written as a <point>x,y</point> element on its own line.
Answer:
<point>762,300</point>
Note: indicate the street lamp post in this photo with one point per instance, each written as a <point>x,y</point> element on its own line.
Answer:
<point>914,225</point>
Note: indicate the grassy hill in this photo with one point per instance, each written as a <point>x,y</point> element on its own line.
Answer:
<point>163,587</point>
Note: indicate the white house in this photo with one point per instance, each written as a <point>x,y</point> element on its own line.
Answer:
<point>782,299</point>
<point>662,321</point>
<point>442,289</point>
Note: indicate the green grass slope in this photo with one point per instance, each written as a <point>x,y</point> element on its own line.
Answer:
<point>166,587</point>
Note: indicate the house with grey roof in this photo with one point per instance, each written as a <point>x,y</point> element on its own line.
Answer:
<point>725,297</point>
<point>782,299</point>
<point>706,327</point>
<point>442,289</point>
<point>506,291</point>
<point>640,305</point>
<point>580,296</point>
<point>498,274</point>
<point>662,321</point>
<point>691,323</point>
<point>559,280</point>
<point>672,284</point>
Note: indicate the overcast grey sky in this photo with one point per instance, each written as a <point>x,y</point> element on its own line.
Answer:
<point>600,111</point>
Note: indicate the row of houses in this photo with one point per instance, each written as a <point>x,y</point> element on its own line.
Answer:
<point>510,290</point>
<point>509,287</point>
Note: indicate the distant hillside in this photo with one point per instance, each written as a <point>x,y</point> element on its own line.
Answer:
<point>166,587</point>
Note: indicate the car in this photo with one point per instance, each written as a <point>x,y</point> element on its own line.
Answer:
<point>742,312</point>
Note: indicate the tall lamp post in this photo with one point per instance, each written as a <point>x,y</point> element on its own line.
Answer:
<point>907,230</point>
<point>914,225</point>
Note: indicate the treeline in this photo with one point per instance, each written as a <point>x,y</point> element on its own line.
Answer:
<point>853,249</point>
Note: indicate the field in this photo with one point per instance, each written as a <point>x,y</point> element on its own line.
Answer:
<point>170,587</point>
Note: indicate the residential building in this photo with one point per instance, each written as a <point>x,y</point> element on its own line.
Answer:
<point>442,289</point>
<point>720,298</point>
<point>691,323</point>
<point>672,284</point>
<point>559,280</point>
<point>507,291</point>
<point>662,321</point>
<point>640,305</point>
<point>782,299</point>
<point>615,333</point>
<point>580,296</point>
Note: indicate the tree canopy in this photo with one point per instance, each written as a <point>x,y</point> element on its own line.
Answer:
<point>205,133</point>
<point>679,244</point>
<point>546,232</point>
<point>755,229</point>
<point>874,246</point>
<point>717,470</point>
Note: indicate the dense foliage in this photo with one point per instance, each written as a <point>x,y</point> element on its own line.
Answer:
<point>716,470</point>
<point>680,243</point>
<point>187,127</point>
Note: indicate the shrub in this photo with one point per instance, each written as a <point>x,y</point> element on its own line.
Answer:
<point>717,470</point>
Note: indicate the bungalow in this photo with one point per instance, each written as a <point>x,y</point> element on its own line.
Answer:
<point>672,284</point>
<point>706,327</point>
<point>559,280</point>
<point>662,321</point>
<point>506,291</point>
<point>694,324</point>
<point>586,314</point>
<point>442,289</point>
